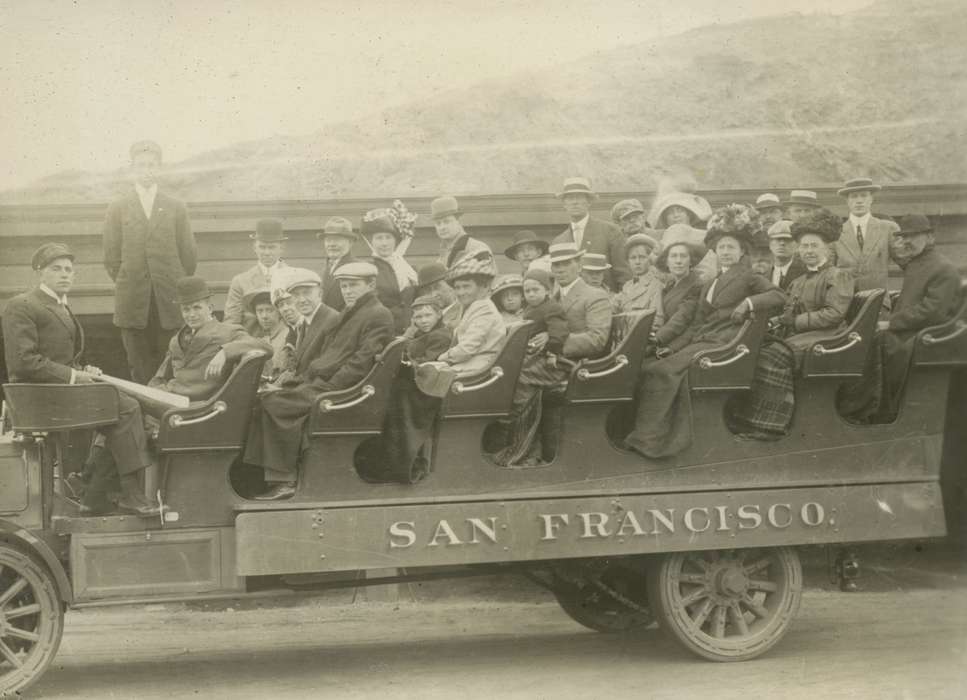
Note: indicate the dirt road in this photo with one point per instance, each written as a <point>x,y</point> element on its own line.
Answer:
<point>866,645</point>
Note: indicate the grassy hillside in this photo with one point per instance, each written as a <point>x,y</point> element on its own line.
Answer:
<point>778,102</point>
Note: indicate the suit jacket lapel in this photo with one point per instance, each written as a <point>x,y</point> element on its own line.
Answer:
<point>850,241</point>
<point>134,202</point>
<point>725,280</point>
<point>156,210</point>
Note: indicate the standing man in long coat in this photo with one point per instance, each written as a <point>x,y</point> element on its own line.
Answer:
<point>148,245</point>
<point>863,248</point>
<point>592,235</point>
<point>348,353</point>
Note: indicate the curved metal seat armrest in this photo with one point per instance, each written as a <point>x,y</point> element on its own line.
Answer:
<point>730,366</point>
<point>614,376</point>
<point>945,344</point>
<point>749,336</point>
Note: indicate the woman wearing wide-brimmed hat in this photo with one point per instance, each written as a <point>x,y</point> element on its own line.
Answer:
<point>388,232</point>
<point>679,256</point>
<point>663,422</point>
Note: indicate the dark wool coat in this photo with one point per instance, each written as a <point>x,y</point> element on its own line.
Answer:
<point>796,268</point>
<point>347,354</point>
<point>819,301</point>
<point>42,343</point>
<point>183,369</point>
<point>606,239</point>
<point>390,295</point>
<point>309,347</point>
<point>679,299</point>
<point>549,317</point>
<point>427,347</point>
<point>331,296</point>
<point>145,257</point>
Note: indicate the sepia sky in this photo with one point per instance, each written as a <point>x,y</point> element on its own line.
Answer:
<point>81,80</point>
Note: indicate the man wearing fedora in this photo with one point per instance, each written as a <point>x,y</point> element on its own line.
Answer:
<point>337,240</point>
<point>44,343</point>
<point>268,242</point>
<point>347,354</point>
<point>769,208</point>
<point>199,354</point>
<point>148,244</point>
<point>801,205</point>
<point>455,242</point>
<point>863,249</point>
<point>592,235</point>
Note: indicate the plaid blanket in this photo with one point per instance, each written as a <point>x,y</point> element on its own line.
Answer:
<point>770,404</point>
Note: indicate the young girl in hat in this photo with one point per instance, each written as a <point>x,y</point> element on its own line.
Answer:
<point>508,296</point>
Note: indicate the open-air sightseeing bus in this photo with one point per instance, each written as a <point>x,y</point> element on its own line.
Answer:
<point>703,542</point>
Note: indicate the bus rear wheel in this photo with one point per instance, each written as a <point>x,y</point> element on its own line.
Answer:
<point>603,595</point>
<point>31,620</point>
<point>730,605</point>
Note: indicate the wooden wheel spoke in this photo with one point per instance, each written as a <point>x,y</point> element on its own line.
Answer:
<point>738,619</point>
<point>22,634</point>
<point>32,609</point>
<point>702,613</point>
<point>691,578</point>
<point>754,607</point>
<point>8,654</point>
<point>757,566</point>
<point>15,588</point>
<point>694,596</point>
<point>718,622</point>
<point>765,586</point>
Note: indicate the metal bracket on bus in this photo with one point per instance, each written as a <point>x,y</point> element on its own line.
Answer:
<point>619,362</point>
<point>853,337</point>
<point>178,421</point>
<point>740,352</point>
<point>327,405</point>
<point>495,374</point>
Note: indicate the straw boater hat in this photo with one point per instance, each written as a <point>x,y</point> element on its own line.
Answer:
<point>268,231</point>
<point>697,206</point>
<point>595,262</point>
<point>913,224</point>
<point>560,252</point>
<point>739,221</point>
<point>624,208</point>
<point>682,234</point>
<point>188,290</point>
<point>445,206</point>
<point>48,253</point>
<point>822,223</point>
<point>506,282</point>
<point>806,198</point>
<point>259,296</point>
<point>645,239</point>
<point>475,265</point>
<point>337,226</point>
<point>859,184</point>
<point>767,201</point>
<point>522,237</point>
<point>577,185</point>
<point>355,271</point>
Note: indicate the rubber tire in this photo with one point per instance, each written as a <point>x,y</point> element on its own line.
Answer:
<point>671,619</point>
<point>50,626</point>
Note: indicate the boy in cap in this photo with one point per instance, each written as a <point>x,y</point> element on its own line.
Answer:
<point>199,353</point>
<point>347,354</point>
<point>268,242</point>
<point>592,235</point>
<point>337,240</point>
<point>44,343</point>
<point>863,249</point>
<point>148,245</point>
<point>455,242</point>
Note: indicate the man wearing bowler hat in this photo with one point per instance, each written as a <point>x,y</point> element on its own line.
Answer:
<point>347,354</point>
<point>337,240</point>
<point>455,242</point>
<point>863,248</point>
<point>268,242</point>
<point>801,205</point>
<point>201,352</point>
<point>592,235</point>
<point>44,343</point>
<point>148,244</point>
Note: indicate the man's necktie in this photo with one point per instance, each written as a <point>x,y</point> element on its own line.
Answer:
<point>782,280</point>
<point>859,236</point>
<point>300,333</point>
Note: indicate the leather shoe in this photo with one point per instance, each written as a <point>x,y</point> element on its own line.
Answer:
<point>139,506</point>
<point>279,492</point>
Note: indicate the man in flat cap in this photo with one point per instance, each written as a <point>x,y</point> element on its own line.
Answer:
<point>268,242</point>
<point>148,244</point>
<point>337,241</point>
<point>44,343</point>
<point>786,264</point>
<point>592,235</point>
<point>455,242</point>
<point>863,248</point>
<point>347,354</point>
<point>200,353</point>
<point>630,216</point>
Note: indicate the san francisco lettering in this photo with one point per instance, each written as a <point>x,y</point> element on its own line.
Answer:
<point>594,525</point>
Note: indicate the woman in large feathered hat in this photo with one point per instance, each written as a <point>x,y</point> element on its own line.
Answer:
<point>388,233</point>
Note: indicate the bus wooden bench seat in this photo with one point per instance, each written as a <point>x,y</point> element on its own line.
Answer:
<point>613,377</point>
<point>360,408</point>
<point>844,354</point>
<point>945,345</point>
<point>220,422</point>
<point>731,366</point>
<point>491,392</point>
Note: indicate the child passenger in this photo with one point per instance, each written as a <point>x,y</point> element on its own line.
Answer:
<point>432,337</point>
<point>546,314</point>
<point>508,296</point>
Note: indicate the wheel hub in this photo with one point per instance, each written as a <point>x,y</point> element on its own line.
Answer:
<point>732,582</point>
